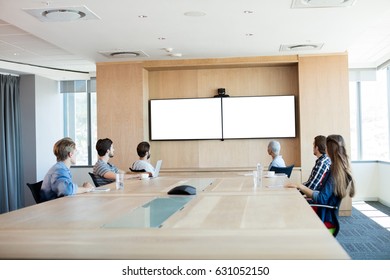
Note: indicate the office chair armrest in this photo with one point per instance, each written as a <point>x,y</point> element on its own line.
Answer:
<point>323,206</point>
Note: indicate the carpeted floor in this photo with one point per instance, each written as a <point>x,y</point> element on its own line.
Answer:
<point>361,236</point>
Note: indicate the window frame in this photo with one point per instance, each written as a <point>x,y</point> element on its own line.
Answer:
<point>66,89</point>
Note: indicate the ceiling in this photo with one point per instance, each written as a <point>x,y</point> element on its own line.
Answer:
<point>185,29</point>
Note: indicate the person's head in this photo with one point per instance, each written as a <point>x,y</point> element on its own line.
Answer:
<point>340,167</point>
<point>273,148</point>
<point>104,146</point>
<point>319,145</point>
<point>143,149</point>
<point>65,148</point>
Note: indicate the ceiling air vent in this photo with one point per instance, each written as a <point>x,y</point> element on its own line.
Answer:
<point>301,47</point>
<point>62,14</point>
<point>296,4</point>
<point>123,54</point>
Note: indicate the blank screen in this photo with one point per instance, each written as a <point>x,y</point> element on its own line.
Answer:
<point>185,119</point>
<point>258,117</point>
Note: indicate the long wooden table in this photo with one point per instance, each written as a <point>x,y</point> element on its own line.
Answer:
<point>227,219</point>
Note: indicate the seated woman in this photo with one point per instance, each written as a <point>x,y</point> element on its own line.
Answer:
<point>337,183</point>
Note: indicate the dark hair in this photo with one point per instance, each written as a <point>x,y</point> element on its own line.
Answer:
<point>102,145</point>
<point>63,147</point>
<point>143,148</point>
<point>320,142</point>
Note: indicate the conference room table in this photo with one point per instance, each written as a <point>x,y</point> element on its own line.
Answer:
<point>227,219</point>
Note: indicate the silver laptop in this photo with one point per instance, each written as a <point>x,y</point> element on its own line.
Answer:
<point>157,169</point>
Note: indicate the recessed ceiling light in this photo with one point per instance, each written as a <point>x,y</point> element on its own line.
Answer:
<point>161,38</point>
<point>195,14</point>
<point>248,12</point>
<point>249,34</point>
<point>300,47</point>
<point>62,14</point>
<point>142,16</point>
<point>123,54</point>
<point>321,3</point>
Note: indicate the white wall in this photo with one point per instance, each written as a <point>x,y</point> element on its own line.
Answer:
<point>41,126</point>
<point>49,122</point>
<point>384,185</point>
<point>372,181</point>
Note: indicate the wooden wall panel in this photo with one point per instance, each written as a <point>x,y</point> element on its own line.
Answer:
<point>251,81</point>
<point>324,102</point>
<point>121,105</point>
<point>320,83</point>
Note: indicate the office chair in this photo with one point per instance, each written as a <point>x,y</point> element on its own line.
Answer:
<point>36,190</point>
<point>286,170</point>
<point>134,170</point>
<point>332,227</point>
<point>95,179</point>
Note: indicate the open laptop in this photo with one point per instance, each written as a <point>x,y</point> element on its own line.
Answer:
<point>157,169</point>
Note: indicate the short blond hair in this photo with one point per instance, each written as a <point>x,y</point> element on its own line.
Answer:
<point>63,147</point>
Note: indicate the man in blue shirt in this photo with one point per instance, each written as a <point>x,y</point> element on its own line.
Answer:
<point>58,180</point>
<point>322,164</point>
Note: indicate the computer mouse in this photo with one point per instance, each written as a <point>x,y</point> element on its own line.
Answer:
<point>183,190</point>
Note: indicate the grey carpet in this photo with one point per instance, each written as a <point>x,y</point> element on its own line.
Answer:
<point>362,238</point>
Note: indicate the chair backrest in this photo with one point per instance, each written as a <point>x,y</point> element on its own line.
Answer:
<point>286,170</point>
<point>96,180</point>
<point>134,170</point>
<point>36,190</point>
<point>333,227</point>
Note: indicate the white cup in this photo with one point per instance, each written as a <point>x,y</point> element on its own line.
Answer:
<point>270,173</point>
<point>144,176</point>
<point>119,181</point>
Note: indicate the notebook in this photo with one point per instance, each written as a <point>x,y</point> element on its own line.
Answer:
<point>157,169</point>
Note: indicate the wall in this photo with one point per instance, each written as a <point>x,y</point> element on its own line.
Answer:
<point>384,178</point>
<point>41,126</point>
<point>372,181</point>
<point>367,180</point>
<point>319,82</point>
<point>238,81</point>
<point>122,109</point>
<point>323,102</point>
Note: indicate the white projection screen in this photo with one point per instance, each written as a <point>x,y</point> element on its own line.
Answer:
<point>222,118</point>
<point>258,117</point>
<point>185,119</point>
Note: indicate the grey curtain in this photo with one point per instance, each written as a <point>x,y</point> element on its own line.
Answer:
<point>11,190</point>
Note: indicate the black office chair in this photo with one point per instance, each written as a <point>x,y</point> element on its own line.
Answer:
<point>134,170</point>
<point>95,179</point>
<point>286,170</point>
<point>332,227</point>
<point>36,190</point>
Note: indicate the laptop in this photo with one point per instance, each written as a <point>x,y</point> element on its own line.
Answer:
<point>157,169</point>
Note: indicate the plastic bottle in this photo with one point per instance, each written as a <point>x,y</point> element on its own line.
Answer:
<point>259,169</point>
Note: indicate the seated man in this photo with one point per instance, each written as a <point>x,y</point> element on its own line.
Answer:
<point>58,180</point>
<point>322,164</point>
<point>106,172</point>
<point>274,152</point>
<point>143,151</point>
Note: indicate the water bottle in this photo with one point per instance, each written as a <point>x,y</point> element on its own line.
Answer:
<point>259,169</point>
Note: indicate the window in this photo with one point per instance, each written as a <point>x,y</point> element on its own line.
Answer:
<point>369,118</point>
<point>80,117</point>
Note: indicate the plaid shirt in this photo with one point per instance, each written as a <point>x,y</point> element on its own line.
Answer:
<point>318,172</point>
